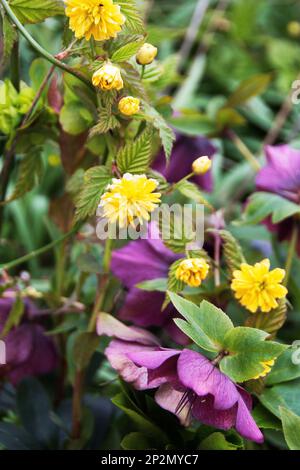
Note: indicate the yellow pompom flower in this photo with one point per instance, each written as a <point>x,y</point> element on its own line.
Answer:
<point>130,198</point>
<point>129,105</point>
<point>202,165</point>
<point>267,365</point>
<point>192,271</point>
<point>108,77</point>
<point>146,54</point>
<point>101,19</point>
<point>256,287</point>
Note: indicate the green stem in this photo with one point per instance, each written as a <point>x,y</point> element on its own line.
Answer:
<point>40,49</point>
<point>15,66</point>
<point>291,254</point>
<point>247,154</point>
<point>39,251</point>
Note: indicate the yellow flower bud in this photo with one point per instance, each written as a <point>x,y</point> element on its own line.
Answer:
<point>146,54</point>
<point>108,77</point>
<point>129,105</point>
<point>192,271</point>
<point>293,28</point>
<point>201,166</point>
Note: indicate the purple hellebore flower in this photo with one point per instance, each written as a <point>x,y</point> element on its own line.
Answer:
<point>185,151</point>
<point>138,261</point>
<point>281,176</point>
<point>189,385</point>
<point>28,350</point>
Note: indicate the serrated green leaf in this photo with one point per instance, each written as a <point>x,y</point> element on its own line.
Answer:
<point>232,251</point>
<point>35,11</point>
<point>166,134</point>
<point>107,121</point>
<point>291,428</point>
<point>247,350</point>
<point>96,180</point>
<point>132,81</point>
<point>134,23</point>
<point>29,173</point>
<point>135,156</point>
<point>270,322</point>
<point>262,205</point>
<point>127,51</point>
<point>191,191</point>
<point>175,233</point>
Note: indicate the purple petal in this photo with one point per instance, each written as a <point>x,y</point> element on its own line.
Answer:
<point>142,260</point>
<point>281,175</point>
<point>110,326</point>
<point>169,398</point>
<point>197,373</point>
<point>246,425</point>
<point>204,410</point>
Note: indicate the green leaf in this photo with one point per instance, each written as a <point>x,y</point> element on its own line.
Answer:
<point>96,180</point>
<point>175,233</point>
<point>75,118</point>
<point>262,205</point>
<point>9,36</point>
<point>232,251</point>
<point>136,441</point>
<point>285,394</point>
<point>166,134</point>
<point>134,23</point>
<point>135,156</point>
<point>270,322</point>
<point>126,52</point>
<point>264,419</point>
<point>247,350</point>
<point>248,89</point>
<point>106,122</point>
<point>193,124</point>
<point>14,316</point>
<point>29,174</point>
<point>159,285</point>
<point>284,369</point>
<point>192,191</point>
<point>207,324</point>
<point>217,441</point>
<point>84,347</point>
<point>35,11</point>
<point>34,406</point>
<point>291,428</point>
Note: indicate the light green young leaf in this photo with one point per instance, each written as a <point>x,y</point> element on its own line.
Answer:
<point>134,23</point>
<point>36,11</point>
<point>192,191</point>
<point>96,180</point>
<point>126,52</point>
<point>247,350</point>
<point>291,428</point>
<point>233,253</point>
<point>74,118</point>
<point>166,134</point>
<point>159,285</point>
<point>107,121</point>
<point>207,323</point>
<point>135,156</point>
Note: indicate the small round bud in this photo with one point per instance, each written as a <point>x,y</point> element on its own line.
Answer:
<point>129,105</point>
<point>293,28</point>
<point>202,165</point>
<point>108,77</point>
<point>146,54</point>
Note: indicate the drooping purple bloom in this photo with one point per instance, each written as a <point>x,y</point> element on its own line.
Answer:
<point>281,176</point>
<point>187,383</point>
<point>28,350</point>
<point>138,261</point>
<point>185,151</point>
